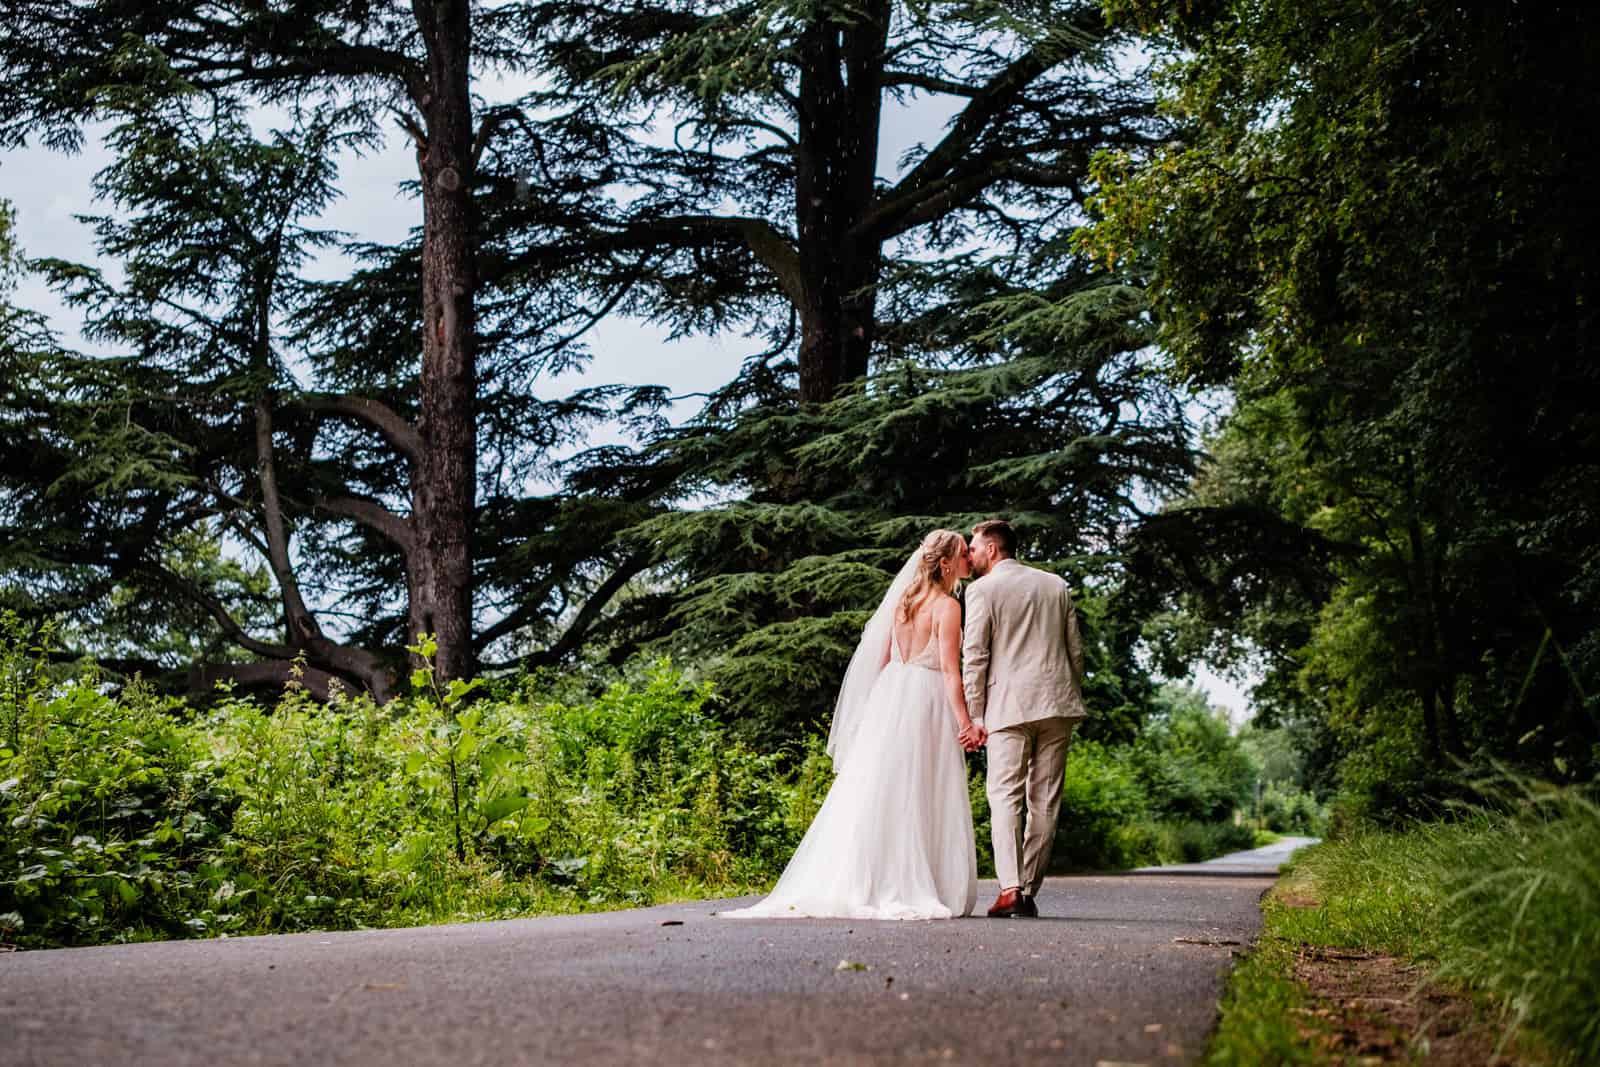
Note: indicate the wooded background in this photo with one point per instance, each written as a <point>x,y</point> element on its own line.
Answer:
<point>1367,226</point>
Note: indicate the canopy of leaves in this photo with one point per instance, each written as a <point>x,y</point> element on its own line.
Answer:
<point>1378,226</point>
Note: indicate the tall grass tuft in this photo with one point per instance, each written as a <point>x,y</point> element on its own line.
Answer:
<point>1523,906</point>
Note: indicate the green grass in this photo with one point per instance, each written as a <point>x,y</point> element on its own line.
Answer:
<point>1259,1011</point>
<point>1503,901</point>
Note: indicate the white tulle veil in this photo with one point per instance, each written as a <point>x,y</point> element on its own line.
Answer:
<point>866,664</point>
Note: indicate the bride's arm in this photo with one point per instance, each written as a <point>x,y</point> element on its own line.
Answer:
<point>947,617</point>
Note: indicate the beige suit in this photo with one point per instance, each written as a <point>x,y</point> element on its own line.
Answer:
<point>1022,669</point>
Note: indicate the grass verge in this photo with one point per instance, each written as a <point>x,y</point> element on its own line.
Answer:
<point>1500,904</point>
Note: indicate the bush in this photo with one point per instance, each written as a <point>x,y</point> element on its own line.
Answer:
<point>1107,821</point>
<point>131,817</point>
<point>1191,767</point>
<point>1100,797</point>
<point>1287,809</point>
<point>1200,841</point>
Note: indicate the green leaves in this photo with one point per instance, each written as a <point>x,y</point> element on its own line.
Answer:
<point>1363,231</point>
<point>492,811</point>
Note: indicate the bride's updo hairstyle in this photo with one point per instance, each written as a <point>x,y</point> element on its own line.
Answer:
<point>937,547</point>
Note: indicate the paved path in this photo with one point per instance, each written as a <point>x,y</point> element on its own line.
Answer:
<point>1255,862</point>
<point>1121,969</point>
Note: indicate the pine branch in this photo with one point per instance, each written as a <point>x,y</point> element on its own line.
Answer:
<point>395,429</point>
<point>578,631</point>
<point>373,515</point>
<point>218,611</point>
<point>280,672</point>
<point>296,614</point>
<point>982,110</point>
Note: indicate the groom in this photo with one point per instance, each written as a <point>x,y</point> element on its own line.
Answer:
<point>1022,669</point>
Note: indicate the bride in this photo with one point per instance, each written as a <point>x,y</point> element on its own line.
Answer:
<point>893,839</point>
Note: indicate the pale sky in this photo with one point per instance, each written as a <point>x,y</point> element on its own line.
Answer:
<point>48,190</point>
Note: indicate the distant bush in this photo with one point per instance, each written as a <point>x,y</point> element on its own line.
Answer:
<point>1287,809</point>
<point>1191,767</point>
<point>1100,798</point>
<point>1109,821</point>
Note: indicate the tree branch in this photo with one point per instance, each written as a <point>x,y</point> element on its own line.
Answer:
<point>218,611</point>
<point>373,515</point>
<point>581,624</point>
<point>400,433</point>
<point>296,614</point>
<point>982,110</point>
<point>204,677</point>
<point>930,83</point>
<point>770,247</point>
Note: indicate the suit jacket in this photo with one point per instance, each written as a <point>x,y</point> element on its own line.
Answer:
<point>1021,654</point>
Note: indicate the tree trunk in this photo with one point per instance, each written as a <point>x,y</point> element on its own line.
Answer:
<point>303,635</point>
<point>1438,682</point>
<point>444,482</point>
<point>840,109</point>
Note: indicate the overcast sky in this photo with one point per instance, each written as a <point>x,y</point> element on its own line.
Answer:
<point>48,190</point>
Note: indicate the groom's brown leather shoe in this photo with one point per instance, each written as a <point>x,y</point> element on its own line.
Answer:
<point>1007,906</point>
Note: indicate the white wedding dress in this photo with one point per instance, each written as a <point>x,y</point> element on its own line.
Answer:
<point>893,839</point>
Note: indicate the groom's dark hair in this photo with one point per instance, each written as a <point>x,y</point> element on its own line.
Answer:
<point>1000,535</point>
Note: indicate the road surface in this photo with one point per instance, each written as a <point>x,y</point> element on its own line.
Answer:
<point>1119,970</point>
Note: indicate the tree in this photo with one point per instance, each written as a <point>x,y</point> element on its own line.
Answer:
<point>936,351</point>
<point>61,66</point>
<point>1372,226</point>
<point>770,204</point>
<point>385,431</point>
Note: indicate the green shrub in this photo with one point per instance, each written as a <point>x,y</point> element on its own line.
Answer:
<point>1190,767</point>
<point>130,817</point>
<point>114,817</point>
<point>1100,795</point>
<point>1287,809</point>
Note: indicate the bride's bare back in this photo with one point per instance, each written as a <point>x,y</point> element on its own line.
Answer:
<point>913,635</point>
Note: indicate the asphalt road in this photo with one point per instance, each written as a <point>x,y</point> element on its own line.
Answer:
<point>1119,970</point>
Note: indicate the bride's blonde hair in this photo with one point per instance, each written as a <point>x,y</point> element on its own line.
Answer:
<point>937,547</point>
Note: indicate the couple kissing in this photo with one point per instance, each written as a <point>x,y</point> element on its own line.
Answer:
<point>894,838</point>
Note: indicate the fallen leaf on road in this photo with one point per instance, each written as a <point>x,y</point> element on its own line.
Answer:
<point>851,965</point>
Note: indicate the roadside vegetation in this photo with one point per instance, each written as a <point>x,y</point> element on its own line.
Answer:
<point>1496,907</point>
<point>131,815</point>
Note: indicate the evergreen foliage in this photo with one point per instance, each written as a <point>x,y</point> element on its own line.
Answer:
<point>938,351</point>
<point>768,593</point>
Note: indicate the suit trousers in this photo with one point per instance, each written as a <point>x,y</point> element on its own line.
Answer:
<point>1025,766</point>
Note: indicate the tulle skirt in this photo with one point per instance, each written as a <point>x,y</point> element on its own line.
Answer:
<point>893,839</point>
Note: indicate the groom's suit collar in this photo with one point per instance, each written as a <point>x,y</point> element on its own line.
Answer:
<point>1009,561</point>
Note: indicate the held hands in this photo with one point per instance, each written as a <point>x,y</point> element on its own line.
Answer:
<point>972,736</point>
